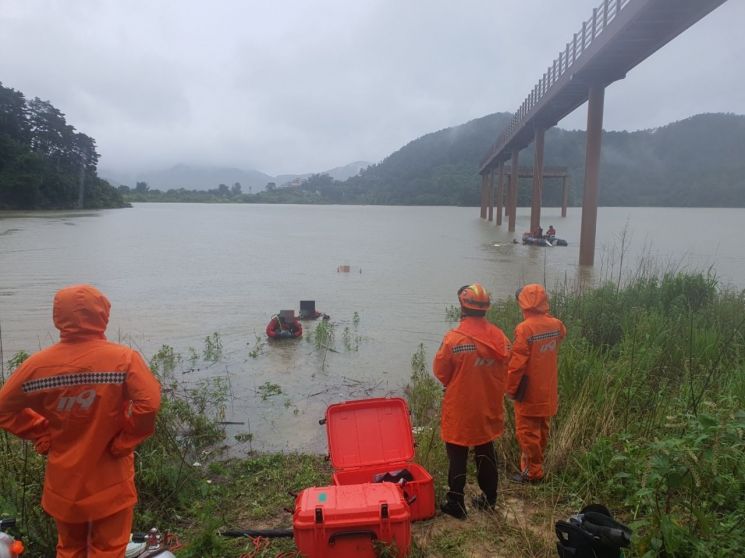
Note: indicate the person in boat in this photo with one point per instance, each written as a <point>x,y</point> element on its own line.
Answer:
<point>551,232</point>
<point>308,311</point>
<point>539,232</point>
<point>472,365</point>
<point>284,326</point>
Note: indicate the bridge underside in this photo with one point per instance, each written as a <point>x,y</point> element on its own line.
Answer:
<point>619,35</point>
<point>494,193</point>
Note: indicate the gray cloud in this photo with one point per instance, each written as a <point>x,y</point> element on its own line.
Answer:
<point>293,86</point>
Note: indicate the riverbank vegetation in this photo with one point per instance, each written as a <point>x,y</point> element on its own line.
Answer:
<point>690,163</point>
<point>651,423</point>
<point>44,160</point>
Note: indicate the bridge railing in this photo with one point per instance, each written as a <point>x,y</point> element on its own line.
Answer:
<point>591,29</point>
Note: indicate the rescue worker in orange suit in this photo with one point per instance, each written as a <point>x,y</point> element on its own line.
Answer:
<point>87,404</point>
<point>279,328</point>
<point>472,365</point>
<point>532,378</point>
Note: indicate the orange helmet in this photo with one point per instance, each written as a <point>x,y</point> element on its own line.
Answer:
<point>474,297</point>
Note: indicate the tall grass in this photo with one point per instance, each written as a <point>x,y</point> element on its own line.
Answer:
<point>651,421</point>
<point>645,365</point>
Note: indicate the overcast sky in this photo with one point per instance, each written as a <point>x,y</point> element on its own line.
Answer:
<point>294,86</point>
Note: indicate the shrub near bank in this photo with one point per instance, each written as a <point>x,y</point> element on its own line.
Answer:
<point>653,387</point>
<point>651,423</point>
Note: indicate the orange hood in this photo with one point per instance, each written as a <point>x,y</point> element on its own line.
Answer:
<point>533,298</point>
<point>81,312</point>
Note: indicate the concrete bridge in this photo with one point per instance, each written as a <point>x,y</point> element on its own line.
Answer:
<point>489,196</point>
<point>618,36</point>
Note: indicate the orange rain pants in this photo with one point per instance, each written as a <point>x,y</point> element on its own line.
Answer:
<point>532,437</point>
<point>101,538</point>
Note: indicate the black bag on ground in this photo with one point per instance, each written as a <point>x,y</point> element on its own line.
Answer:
<point>592,533</point>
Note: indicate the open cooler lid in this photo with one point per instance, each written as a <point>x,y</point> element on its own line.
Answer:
<point>369,432</point>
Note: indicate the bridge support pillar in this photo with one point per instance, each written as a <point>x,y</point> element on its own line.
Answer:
<point>508,179</point>
<point>535,205</point>
<point>514,180</point>
<point>483,196</point>
<point>500,193</point>
<point>490,196</point>
<point>564,196</point>
<point>592,170</point>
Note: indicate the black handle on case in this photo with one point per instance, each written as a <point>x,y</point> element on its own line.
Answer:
<point>322,421</point>
<point>351,534</point>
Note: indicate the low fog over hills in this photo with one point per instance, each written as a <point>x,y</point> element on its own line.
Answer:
<point>194,177</point>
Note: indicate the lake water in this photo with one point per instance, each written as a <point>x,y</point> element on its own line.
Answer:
<point>175,273</point>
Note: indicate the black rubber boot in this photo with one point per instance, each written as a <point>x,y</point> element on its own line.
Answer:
<point>454,509</point>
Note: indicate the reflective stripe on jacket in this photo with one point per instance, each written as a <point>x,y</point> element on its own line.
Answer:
<point>472,364</point>
<point>87,403</point>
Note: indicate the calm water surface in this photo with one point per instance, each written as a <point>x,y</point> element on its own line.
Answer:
<point>178,272</point>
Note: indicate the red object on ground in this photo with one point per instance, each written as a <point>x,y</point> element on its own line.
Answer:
<point>345,521</point>
<point>373,436</point>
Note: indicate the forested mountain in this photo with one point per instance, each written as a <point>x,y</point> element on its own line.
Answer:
<point>696,162</point>
<point>42,158</point>
<point>699,161</point>
<point>193,177</point>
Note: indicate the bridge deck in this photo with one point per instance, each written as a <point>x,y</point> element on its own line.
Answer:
<point>619,35</point>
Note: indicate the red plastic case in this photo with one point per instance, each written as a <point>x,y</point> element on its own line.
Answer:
<point>371,436</point>
<point>344,521</point>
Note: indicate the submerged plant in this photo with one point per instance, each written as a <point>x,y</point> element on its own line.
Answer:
<point>257,348</point>
<point>193,357</point>
<point>16,360</point>
<point>212,348</point>
<point>268,389</point>
<point>323,335</point>
<point>452,313</point>
<point>351,340</point>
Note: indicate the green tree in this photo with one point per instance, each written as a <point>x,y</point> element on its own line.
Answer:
<point>42,157</point>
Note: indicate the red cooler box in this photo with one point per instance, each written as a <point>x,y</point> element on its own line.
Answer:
<point>345,521</point>
<point>373,436</point>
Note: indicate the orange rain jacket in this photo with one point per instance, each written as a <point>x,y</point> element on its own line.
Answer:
<point>87,403</point>
<point>472,363</point>
<point>534,353</point>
